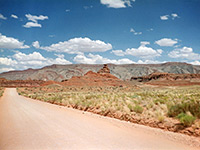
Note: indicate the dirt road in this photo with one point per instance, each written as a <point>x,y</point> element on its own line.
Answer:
<point>27,124</point>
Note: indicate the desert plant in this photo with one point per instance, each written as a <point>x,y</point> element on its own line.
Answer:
<point>138,109</point>
<point>174,110</point>
<point>185,119</point>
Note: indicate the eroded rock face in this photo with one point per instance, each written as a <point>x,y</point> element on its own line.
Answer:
<point>20,83</point>
<point>95,79</point>
<point>105,69</point>
<point>169,79</point>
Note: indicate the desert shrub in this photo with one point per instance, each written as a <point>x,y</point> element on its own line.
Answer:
<point>185,119</point>
<point>160,117</point>
<point>195,109</point>
<point>174,110</point>
<point>192,107</point>
<point>131,108</point>
<point>138,109</point>
<point>1,91</point>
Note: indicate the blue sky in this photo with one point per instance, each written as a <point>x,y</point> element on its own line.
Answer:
<point>36,33</point>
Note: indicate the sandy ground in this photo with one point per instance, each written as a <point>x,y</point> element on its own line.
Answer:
<point>27,124</point>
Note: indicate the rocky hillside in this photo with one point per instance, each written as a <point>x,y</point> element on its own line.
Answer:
<point>101,78</point>
<point>124,72</point>
<point>169,79</point>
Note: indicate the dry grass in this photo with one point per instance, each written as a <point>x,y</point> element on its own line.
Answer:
<point>124,102</point>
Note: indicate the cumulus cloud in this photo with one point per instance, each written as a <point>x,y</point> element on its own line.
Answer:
<point>184,53</point>
<point>32,24</point>
<point>79,45</point>
<point>2,17</point>
<point>7,64</point>
<point>36,44</point>
<point>172,16</point>
<point>32,60</point>
<point>11,43</point>
<point>14,16</point>
<point>97,59</point>
<point>195,62</point>
<point>134,32</point>
<point>166,42</point>
<point>6,69</point>
<point>118,52</point>
<point>34,20</point>
<point>117,3</point>
<point>26,57</point>
<point>142,51</point>
<point>7,61</point>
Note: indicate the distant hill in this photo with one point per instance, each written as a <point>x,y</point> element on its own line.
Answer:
<point>124,72</point>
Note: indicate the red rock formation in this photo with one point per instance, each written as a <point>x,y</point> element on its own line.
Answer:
<point>105,69</point>
<point>94,79</point>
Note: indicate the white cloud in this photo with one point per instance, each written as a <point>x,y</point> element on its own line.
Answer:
<point>14,16</point>
<point>165,17</point>
<point>36,44</point>
<point>79,45</point>
<point>32,24</point>
<point>97,59</point>
<point>32,60</point>
<point>58,60</point>
<point>87,7</point>
<point>2,17</point>
<point>11,43</point>
<point>142,51</point>
<point>195,62</point>
<point>27,57</point>
<point>166,42</point>
<point>149,62</point>
<point>184,53</point>
<point>134,32</point>
<point>60,55</point>
<point>51,36</point>
<point>35,18</point>
<point>7,61</point>
<point>117,3</point>
<point>6,69</point>
<point>172,16</point>
<point>144,43</point>
<point>151,29</point>
<point>118,52</point>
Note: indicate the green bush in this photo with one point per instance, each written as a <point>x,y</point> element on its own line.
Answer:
<point>192,107</point>
<point>186,120</point>
<point>138,109</point>
<point>195,109</point>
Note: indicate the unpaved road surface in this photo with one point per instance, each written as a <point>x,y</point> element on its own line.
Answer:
<point>27,124</point>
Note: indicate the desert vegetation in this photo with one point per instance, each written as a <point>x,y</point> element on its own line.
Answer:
<point>172,108</point>
<point>1,91</point>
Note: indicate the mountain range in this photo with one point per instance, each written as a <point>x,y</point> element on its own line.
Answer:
<point>124,72</point>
